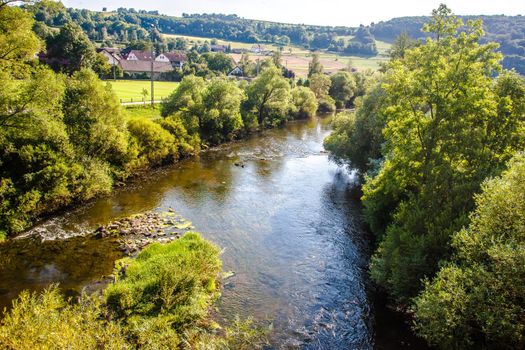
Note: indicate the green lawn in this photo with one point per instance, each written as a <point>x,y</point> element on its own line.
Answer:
<point>146,111</point>
<point>132,89</point>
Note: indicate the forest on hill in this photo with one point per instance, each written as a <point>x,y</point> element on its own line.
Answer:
<point>126,25</point>
<point>507,31</point>
<point>131,25</point>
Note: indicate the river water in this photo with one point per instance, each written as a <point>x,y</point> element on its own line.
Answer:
<point>287,218</point>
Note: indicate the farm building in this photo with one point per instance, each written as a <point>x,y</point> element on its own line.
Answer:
<point>142,69</point>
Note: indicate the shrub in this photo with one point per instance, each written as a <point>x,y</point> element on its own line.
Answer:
<point>150,144</point>
<point>46,321</point>
<point>304,103</point>
<point>176,281</point>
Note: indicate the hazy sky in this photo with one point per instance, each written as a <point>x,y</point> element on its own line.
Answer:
<point>324,12</point>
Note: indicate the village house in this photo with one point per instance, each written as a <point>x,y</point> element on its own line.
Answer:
<point>236,72</point>
<point>112,55</point>
<point>176,59</point>
<point>257,49</point>
<point>138,55</point>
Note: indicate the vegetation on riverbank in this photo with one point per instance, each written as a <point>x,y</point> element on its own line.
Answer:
<point>159,301</point>
<point>444,118</point>
<point>65,138</point>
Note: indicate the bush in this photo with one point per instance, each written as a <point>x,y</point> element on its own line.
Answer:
<point>304,103</point>
<point>176,281</point>
<point>326,105</point>
<point>477,300</point>
<point>150,144</point>
<point>47,321</point>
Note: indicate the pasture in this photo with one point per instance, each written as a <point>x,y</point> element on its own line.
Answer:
<point>131,90</point>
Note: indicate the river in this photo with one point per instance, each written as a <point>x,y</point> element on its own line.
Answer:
<point>288,219</point>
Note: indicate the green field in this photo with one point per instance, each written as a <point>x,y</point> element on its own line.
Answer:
<point>298,57</point>
<point>132,89</point>
<point>146,111</point>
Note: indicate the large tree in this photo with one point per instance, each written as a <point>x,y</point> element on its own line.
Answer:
<point>70,50</point>
<point>342,88</point>
<point>440,144</point>
<point>269,97</point>
<point>18,43</point>
<point>222,110</point>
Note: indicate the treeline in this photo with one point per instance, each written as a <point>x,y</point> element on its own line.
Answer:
<point>129,25</point>
<point>507,31</point>
<point>438,141</point>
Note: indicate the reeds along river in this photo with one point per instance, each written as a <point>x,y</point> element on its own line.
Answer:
<point>287,218</point>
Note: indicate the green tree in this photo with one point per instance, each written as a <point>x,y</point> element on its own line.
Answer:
<point>320,85</point>
<point>304,103</point>
<point>268,97</point>
<point>342,88</point>
<point>70,50</point>
<point>357,139</point>
<point>219,62</point>
<point>439,148</point>
<point>401,45</point>
<point>187,102</point>
<point>315,66</point>
<point>476,301</point>
<point>18,43</point>
<point>222,111</point>
<point>94,118</point>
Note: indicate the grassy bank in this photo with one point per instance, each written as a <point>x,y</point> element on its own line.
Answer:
<point>160,300</point>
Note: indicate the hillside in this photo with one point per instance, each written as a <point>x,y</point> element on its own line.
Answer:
<point>128,25</point>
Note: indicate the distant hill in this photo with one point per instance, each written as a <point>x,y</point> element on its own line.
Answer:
<point>507,31</point>
<point>127,25</point>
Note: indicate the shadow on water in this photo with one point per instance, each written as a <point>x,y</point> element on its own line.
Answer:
<point>287,218</point>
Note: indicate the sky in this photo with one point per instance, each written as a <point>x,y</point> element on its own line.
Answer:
<point>322,12</point>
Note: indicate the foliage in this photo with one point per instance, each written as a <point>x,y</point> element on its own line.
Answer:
<point>187,102</point>
<point>304,103</point>
<point>94,119</point>
<point>18,43</point>
<point>159,301</point>
<point>477,300</point>
<point>342,88</point>
<point>507,31</point>
<point>176,281</point>
<point>70,49</point>
<point>439,149</point>
<point>320,85</point>
<point>47,321</point>
<point>363,43</point>
<point>150,144</point>
<point>210,109</point>
<point>268,97</point>
<point>315,66</point>
<point>357,138</point>
<point>222,111</point>
<point>132,25</point>
<point>219,61</point>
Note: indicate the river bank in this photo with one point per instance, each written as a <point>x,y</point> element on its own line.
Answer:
<point>288,222</point>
